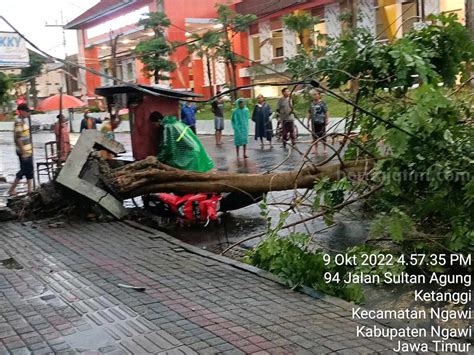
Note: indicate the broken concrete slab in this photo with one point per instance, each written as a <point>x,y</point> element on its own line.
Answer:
<point>72,173</point>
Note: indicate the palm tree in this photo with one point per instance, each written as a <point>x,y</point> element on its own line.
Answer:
<point>154,52</point>
<point>302,23</point>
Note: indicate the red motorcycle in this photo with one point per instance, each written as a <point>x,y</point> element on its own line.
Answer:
<point>196,208</point>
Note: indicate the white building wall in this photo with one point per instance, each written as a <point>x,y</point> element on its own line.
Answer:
<point>219,66</point>
<point>50,81</point>
<point>366,15</point>
<point>266,50</point>
<point>333,23</point>
<point>431,7</point>
<point>289,43</point>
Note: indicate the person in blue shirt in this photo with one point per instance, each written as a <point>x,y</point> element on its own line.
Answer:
<point>188,115</point>
<point>89,122</point>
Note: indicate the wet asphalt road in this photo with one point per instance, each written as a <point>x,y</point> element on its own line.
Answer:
<point>224,156</point>
<point>238,224</point>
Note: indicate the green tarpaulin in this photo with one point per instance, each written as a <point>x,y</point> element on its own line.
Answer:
<point>180,148</point>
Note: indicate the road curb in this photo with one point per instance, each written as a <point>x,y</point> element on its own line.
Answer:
<point>242,266</point>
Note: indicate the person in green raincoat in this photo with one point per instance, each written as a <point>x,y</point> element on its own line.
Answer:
<point>178,145</point>
<point>240,124</point>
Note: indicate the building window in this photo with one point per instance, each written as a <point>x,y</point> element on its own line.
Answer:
<point>254,48</point>
<point>409,16</point>
<point>277,43</point>
<point>386,15</point>
<point>320,34</point>
<point>126,70</point>
<point>120,71</point>
<point>104,68</point>
<point>131,71</point>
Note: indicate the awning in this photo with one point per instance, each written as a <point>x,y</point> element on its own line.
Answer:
<point>108,91</point>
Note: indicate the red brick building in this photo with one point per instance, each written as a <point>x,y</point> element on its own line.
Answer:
<point>110,18</point>
<point>267,44</point>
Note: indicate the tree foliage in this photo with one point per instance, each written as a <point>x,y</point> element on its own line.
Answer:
<point>420,135</point>
<point>425,140</point>
<point>296,264</point>
<point>154,52</point>
<point>302,23</point>
<point>31,72</point>
<point>5,87</point>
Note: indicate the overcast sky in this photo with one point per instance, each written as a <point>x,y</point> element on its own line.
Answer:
<point>31,16</point>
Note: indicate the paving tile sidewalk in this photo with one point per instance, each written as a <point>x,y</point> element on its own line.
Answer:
<point>66,299</point>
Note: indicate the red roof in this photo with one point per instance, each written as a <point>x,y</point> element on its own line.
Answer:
<point>104,7</point>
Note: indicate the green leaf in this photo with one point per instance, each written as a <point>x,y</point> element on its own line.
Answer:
<point>448,136</point>
<point>379,132</point>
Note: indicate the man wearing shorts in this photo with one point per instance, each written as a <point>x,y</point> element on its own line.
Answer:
<point>218,111</point>
<point>24,149</point>
<point>318,115</point>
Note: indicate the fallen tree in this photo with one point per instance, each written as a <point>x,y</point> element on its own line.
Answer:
<point>150,176</point>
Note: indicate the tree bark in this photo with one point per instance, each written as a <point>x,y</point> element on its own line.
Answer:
<point>34,92</point>
<point>209,74</point>
<point>470,16</point>
<point>151,176</point>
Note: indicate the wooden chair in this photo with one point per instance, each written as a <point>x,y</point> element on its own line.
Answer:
<point>46,167</point>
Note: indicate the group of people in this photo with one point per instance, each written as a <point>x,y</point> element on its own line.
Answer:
<point>262,117</point>
<point>317,119</point>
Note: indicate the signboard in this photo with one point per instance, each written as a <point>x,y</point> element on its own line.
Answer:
<point>13,52</point>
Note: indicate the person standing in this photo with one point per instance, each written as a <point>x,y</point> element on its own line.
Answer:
<point>218,111</point>
<point>240,124</point>
<point>188,115</point>
<point>64,132</point>
<point>287,118</point>
<point>24,150</point>
<point>262,117</point>
<point>107,130</point>
<point>89,122</point>
<point>318,115</point>
<point>178,146</point>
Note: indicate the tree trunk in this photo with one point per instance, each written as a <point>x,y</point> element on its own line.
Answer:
<point>34,92</point>
<point>234,78</point>
<point>151,176</point>
<point>209,74</point>
<point>354,12</point>
<point>233,94</point>
<point>470,16</point>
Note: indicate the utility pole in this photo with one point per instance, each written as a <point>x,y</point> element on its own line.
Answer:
<point>113,54</point>
<point>67,68</point>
